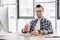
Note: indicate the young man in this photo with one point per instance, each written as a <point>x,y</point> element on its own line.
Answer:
<point>40,25</point>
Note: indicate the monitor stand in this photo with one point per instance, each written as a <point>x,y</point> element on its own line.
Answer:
<point>1,26</point>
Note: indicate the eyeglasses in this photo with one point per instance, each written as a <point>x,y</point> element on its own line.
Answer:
<point>39,11</point>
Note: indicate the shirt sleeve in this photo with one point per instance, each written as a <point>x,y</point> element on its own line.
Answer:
<point>48,29</point>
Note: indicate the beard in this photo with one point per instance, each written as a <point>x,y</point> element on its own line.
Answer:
<point>39,16</point>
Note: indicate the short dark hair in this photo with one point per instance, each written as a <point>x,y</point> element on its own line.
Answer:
<point>37,6</point>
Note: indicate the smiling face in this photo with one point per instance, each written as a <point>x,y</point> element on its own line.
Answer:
<point>39,12</point>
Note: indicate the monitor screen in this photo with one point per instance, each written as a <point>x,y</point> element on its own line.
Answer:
<point>3,19</point>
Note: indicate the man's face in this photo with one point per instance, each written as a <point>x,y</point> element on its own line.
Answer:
<point>39,12</point>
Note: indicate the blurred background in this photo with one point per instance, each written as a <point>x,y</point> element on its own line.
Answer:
<point>15,24</point>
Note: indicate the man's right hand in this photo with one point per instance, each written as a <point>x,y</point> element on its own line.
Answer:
<point>26,28</point>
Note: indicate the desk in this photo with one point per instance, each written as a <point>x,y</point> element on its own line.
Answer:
<point>8,36</point>
<point>27,37</point>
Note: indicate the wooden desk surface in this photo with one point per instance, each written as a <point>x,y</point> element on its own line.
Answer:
<point>8,36</point>
<point>36,38</point>
<point>28,37</point>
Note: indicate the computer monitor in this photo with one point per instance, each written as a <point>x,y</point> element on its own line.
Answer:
<point>4,19</point>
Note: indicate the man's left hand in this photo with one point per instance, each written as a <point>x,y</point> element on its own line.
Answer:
<point>34,33</point>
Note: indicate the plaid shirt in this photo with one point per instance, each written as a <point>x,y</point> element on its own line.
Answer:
<point>45,26</point>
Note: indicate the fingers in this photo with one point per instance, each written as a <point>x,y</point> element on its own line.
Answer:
<point>34,33</point>
<point>26,28</point>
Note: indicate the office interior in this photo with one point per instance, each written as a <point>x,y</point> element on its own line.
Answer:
<point>14,23</point>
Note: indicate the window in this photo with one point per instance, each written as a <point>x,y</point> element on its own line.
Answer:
<point>58,8</point>
<point>25,9</point>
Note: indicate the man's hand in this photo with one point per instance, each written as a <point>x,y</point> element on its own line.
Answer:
<point>26,28</point>
<point>34,33</point>
<point>41,33</point>
<point>37,33</point>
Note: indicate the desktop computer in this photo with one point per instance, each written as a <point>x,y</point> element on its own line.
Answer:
<point>3,19</point>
